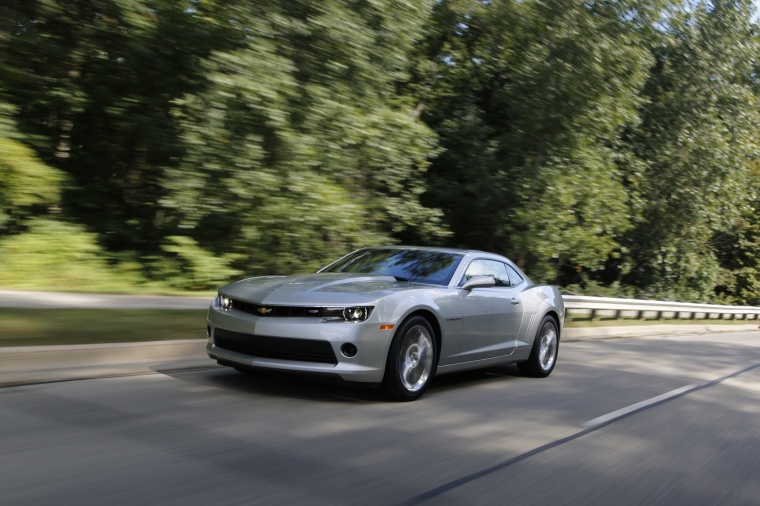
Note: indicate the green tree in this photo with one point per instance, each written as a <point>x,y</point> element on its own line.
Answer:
<point>736,249</point>
<point>28,187</point>
<point>301,147</point>
<point>93,82</point>
<point>697,137</point>
<point>531,103</point>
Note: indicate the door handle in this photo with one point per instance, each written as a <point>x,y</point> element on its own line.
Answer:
<point>515,301</point>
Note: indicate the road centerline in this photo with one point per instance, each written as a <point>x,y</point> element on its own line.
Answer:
<point>619,415</point>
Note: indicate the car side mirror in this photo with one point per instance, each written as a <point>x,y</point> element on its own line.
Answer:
<point>479,282</point>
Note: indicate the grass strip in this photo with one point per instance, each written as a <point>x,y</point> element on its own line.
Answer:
<point>42,327</point>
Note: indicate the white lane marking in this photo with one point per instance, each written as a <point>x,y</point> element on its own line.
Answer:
<point>638,406</point>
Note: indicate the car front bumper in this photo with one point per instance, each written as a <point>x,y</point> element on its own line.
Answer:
<point>259,343</point>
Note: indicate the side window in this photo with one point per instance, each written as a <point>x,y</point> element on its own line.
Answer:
<point>514,277</point>
<point>496,270</point>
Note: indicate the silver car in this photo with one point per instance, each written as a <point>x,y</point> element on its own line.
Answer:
<point>394,316</point>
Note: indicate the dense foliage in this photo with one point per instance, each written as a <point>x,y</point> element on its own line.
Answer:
<point>607,146</point>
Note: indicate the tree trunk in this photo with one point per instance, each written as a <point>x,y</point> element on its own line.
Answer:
<point>538,161</point>
<point>428,86</point>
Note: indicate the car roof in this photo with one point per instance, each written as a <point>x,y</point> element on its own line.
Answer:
<point>442,250</point>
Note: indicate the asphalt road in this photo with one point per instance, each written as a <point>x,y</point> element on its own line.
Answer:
<point>213,436</point>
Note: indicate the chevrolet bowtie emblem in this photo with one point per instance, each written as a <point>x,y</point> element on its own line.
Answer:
<point>264,310</point>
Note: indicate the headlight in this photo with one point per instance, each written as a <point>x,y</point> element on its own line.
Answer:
<point>355,314</point>
<point>348,314</point>
<point>222,302</point>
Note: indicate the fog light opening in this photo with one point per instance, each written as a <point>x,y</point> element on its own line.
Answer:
<point>208,331</point>
<point>349,350</point>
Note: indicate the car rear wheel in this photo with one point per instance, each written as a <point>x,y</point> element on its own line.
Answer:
<point>411,360</point>
<point>543,355</point>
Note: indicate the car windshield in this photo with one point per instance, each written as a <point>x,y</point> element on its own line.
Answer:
<point>421,266</point>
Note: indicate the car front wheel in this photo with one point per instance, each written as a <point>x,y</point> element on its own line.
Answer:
<point>411,360</point>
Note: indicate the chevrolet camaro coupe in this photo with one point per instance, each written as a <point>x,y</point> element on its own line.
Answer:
<point>393,316</point>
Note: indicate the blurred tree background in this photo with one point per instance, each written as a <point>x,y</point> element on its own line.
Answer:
<point>608,146</point>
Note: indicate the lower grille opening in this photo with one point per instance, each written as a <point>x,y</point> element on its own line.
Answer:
<point>280,348</point>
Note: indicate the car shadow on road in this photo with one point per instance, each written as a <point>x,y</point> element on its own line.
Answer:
<point>312,388</point>
<point>470,379</point>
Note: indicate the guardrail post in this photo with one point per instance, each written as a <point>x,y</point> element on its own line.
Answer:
<point>594,317</point>
<point>640,316</point>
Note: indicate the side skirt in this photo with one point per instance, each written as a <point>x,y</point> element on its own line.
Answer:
<point>520,354</point>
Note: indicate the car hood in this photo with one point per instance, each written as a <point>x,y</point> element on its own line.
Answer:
<point>329,288</point>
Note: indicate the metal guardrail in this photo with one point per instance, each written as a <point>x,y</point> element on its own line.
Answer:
<point>597,307</point>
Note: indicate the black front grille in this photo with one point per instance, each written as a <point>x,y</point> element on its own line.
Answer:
<point>261,310</point>
<point>281,348</point>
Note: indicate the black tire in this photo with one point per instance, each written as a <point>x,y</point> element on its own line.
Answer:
<point>411,360</point>
<point>545,350</point>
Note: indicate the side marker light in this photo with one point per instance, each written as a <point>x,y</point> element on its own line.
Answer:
<point>387,327</point>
